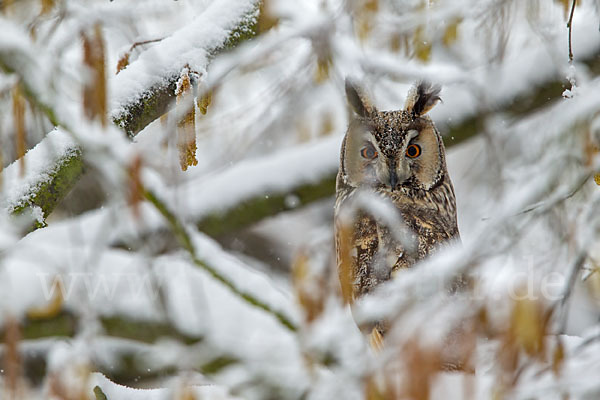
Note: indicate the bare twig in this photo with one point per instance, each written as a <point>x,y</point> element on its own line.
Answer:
<point>186,241</point>
<point>136,44</point>
<point>570,26</point>
<point>560,305</point>
<point>547,205</point>
<point>577,264</point>
<point>124,59</point>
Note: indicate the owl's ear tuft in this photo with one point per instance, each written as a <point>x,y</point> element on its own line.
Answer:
<point>422,97</point>
<point>358,99</point>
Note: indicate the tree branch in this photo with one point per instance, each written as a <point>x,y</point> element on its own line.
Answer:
<point>127,369</point>
<point>128,366</point>
<point>186,242</point>
<point>65,323</point>
<point>570,26</point>
<point>132,117</point>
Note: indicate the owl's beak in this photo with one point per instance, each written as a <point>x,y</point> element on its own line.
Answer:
<point>393,179</point>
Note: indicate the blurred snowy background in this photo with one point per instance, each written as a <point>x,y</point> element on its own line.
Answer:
<point>167,182</point>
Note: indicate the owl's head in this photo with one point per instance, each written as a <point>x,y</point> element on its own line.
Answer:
<point>393,149</point>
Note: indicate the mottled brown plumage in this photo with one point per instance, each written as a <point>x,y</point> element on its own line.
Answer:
<point>378,159</point>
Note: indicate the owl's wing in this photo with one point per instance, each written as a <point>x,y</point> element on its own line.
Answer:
<point>367,244</point>
<point>357,244</point>
<point>432,229</point>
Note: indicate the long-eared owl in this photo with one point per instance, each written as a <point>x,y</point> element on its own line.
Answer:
<point>395,157</point>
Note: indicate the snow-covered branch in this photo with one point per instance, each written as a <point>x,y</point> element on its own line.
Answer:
<point>187,242</point>
<point>143,92</point>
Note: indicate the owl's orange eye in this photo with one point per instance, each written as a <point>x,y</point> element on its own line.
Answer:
<point>413,151</point>
<point>368,152</point>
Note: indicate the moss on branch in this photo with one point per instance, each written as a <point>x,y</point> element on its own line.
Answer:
<point>158,99</point>
<point>154,103</point>
<point>136,115</point>
<point>265,205</point>
<point>185,241</point>
<point>65,324</point>
<point>49,192</point>
<point>130,366</point>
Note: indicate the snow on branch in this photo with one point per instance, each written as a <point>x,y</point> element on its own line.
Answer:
<point>139,308</point>
<point>142,92</point>
<point>145,89</point>
<point>187,242</point>
<point>52,168</point>
<point>20,56</point>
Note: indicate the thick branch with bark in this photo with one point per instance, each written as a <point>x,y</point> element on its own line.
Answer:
<point>133,115</point>
<point>158,99</point>
<point>59,181</point>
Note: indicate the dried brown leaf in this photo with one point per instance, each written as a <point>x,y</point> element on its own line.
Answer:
<point>94,91</point>
<point>566,5</point>
<point>591,147</point>
<point>421,45</point>
<point>424,366</point>
<point>310,287</point>
<point>47,6</point>
<point>266,19</point>
<point>373,391</point>
<point>396,42</point>
<point>324,63</point>
<point>364,17</point>
<point>451,32</point>
<point>6,6</point>
<point>12,365</point>
<point>371,5</point>
<point>345,270</point>
<point>400,41</point>
<point>592,283</point>
<point>408,375</point>
<point>363,25</point>
<point>18,103</point>
<point>186,128</point>
<point>136,189</point>
<point>302,130</point>
<point>123,62</point>
<point>204,101</point>
<point>327,124</point>
<point>54,306</point>
<point>558,357</point>
<point>527,326</point>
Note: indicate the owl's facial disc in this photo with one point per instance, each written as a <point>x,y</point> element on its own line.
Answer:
<point>361,155</point>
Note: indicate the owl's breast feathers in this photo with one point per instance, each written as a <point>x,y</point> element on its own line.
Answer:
<point>430,217</point>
